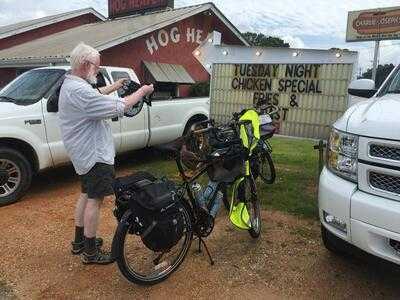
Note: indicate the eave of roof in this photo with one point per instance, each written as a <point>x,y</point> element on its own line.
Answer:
<point>21,27</point>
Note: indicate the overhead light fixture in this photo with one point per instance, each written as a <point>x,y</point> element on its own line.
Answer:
<point>210,40</point>
<point>225,52</point>
<point>338,54</point>
<point>295,54</point>
<point>208,66</point>
<point>197,53</point>
<point>258,53</point>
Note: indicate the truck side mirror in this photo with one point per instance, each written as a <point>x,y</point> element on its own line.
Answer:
<point>364,88</point>
<point>52,102</point>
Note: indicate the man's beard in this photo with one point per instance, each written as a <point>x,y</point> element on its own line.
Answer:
<point>92,79</point>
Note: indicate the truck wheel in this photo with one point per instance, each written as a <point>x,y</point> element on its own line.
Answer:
<point>332,242</point>
<point>15,175</point>
<point>191,122</point>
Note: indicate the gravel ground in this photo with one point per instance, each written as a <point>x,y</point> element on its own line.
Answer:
<point>288,261</point>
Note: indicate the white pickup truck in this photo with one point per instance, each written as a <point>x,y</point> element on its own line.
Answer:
<point>359,189</point>
<point>30,138</point>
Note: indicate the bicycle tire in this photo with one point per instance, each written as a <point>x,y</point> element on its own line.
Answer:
<point>118,251</point>
<point>267,168</point>
<point>254,210</point>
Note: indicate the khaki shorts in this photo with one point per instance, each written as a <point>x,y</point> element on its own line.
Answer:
<point>98,182</point>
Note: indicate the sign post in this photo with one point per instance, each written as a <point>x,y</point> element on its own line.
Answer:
<point>375,65</point>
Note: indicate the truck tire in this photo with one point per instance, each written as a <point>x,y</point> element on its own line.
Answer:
<point>15,175</point>
<point>191,122</point>
<point>333,243</point>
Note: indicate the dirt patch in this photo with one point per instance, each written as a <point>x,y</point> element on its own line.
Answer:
<point>287,261</point>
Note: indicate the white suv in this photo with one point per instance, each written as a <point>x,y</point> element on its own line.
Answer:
<point>359,189</point>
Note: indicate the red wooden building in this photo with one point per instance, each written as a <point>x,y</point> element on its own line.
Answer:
<point>151,37</point>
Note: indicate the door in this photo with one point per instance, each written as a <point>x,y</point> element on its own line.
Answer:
<point>134,131</point>
<point>50,112</point>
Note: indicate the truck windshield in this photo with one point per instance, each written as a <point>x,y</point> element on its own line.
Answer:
<point>394,86</point>
<point>30,86</point>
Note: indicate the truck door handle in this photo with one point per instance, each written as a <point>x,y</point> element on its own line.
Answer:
<point>114,119</point>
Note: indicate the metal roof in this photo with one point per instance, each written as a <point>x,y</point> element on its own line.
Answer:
<point>56,48</point>
<point>13,29</point>
<point>168,73</point>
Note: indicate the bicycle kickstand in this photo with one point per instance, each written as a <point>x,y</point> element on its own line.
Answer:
<point>205,247</point>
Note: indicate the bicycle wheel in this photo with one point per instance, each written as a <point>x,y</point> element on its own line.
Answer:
<point>253,207</point>
<point>140,265</point>
<point>267,168</point>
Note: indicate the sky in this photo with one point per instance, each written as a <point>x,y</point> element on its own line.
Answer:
<point>318,24</point>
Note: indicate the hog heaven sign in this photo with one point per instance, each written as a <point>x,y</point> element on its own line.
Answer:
<point>373,25</point>
<point>119,8</point>
<point>307,98</point>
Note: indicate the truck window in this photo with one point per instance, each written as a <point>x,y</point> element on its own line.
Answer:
<point>116,75</point>
<point>31,86</point>
<point>165,91</point>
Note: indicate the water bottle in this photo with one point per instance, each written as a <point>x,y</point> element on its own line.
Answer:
<point>207,194</point>
<point>197,193</point>
<point>216,204</point>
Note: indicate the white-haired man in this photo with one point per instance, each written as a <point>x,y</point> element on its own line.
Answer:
<point>89,143</point>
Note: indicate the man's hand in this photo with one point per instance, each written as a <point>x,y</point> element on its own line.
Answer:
<point>138,95</point>
<point>120,82</point>
<point>106,90</point>
<point>146,90</point>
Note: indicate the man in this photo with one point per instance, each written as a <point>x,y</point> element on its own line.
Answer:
<point>89,143</point>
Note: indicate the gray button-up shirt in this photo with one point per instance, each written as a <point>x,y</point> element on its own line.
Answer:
<point>87,136</point>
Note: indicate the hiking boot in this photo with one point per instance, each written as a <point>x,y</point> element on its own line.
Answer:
<point>77,248</point>
<point>99,257</point>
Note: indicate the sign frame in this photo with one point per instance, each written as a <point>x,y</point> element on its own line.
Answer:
<point>367,25</point>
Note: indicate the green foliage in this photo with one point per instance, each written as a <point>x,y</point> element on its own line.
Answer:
<point>381,73</point>
<point>200,89</point>
<point>259,39</point>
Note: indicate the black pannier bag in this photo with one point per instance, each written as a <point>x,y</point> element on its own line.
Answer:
<point>157,215</point>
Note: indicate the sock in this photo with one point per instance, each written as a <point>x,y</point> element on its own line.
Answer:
<point>79,234</point>
<point>90,245</point>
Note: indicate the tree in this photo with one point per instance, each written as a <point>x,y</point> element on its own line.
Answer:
<point>381,73</point>
<point>260,39</point>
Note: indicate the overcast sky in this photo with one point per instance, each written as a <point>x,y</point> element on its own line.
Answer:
<point>306,23</point>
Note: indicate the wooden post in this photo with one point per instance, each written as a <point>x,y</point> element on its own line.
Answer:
<point>320,147</point>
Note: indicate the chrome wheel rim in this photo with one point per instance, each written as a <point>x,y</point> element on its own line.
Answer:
<point>10,177</point>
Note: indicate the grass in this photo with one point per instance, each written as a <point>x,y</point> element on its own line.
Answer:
<point>295,188</point>
<point>296,164</point>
